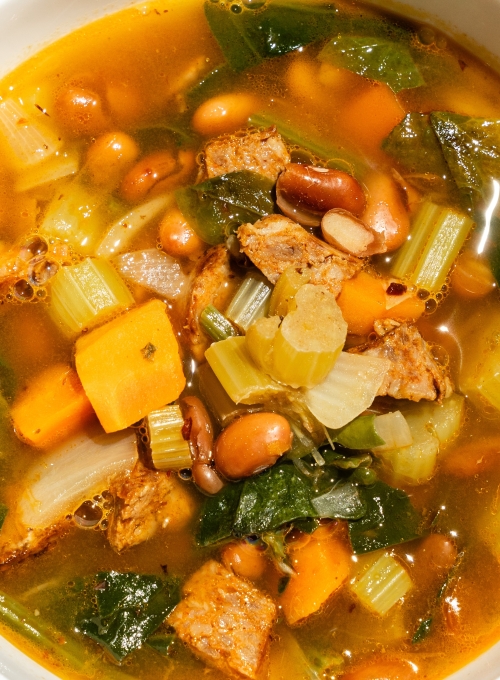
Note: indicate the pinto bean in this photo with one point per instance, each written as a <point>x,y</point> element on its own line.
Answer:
<point>251,443</point>
<point>198,430</point>
<point>245,559</point>
<point>109,157</point>
<point>224,113</point>
<point>80,111</point>
<point>315,190</point>
<point>145,174</point>
<point>177,237</point>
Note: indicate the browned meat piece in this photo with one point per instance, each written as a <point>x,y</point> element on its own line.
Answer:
<point>225,621</point>
<point>213,284</point>
<point>145,501</point>
<point>276,243</point>
<point>414,374</point>
<point>258,151</point>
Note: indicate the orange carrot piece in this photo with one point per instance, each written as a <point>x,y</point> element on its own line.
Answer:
<point>362,302</point>
<point>385,210</point>
<point>371,115</point>
<point>321,565</point>
<point>130,366</point>
<point>52,407</point>
<point>473,458</point>
<point>409,309</point>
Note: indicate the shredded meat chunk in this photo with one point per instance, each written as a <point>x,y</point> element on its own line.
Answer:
<point>259,151</point>
<point>213,284</point>
<point>276,243</point>
<point>145,501</point>
<point>224,620</point>
<point>415,374</point>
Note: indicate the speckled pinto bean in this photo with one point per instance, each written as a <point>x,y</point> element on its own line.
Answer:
<point>251,444</point>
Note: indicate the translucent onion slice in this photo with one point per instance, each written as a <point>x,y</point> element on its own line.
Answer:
<point>394,430</point>
<point>349,389</point>
<point>28,138</point>
<point>154,270</point>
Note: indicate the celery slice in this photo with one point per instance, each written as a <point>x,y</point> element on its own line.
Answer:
<point>59,166</point>
<point>217,399</point>
<point>29,139</point>
<point>251,301</point>
<point>381,582</point>
<point>285,290</point>
<point>83,294</point>
<point>422,228</point>
<point>239,376</point>
<point>169,449</point>
<point>215,324</point>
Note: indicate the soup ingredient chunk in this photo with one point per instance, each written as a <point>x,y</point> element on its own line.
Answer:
<point>276,243</point>
<point>145,501</point>
<point>130,366</point>
<point>224,620</point>
<point>414,373</point>
<point>259,151</point>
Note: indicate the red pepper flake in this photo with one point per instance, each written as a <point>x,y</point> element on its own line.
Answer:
<point>186,429</point>
<point>396,288</point>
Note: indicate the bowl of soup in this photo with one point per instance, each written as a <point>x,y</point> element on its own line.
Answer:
<point>249,405</point>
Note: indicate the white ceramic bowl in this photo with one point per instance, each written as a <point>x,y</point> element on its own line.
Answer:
<point>28,25</point>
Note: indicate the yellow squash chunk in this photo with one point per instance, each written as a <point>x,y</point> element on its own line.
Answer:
<point>130,366</point>
<point>53,407</point>
<point>322,564</point>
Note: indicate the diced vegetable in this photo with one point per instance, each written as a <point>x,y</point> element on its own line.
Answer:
<point>321,566</point>
<point>349,389</point>
<point>381,582</point>
<point>376,58</point>
<point>84,294</point>
<point>362,302</point>
<point>437,236</point>
<point>216,325</point>
<point>169,449</point>
<point>284,291</point>
<point>153,270</point>
<point>119,235</point>
<point>29,139</point>
<point>216,398</point>
<point>53,407</point>
<point>394,430</point>
<point>59,166</point>
<point>302,349</point>
<point>361,433</point>
<point>130,366</point>
<point>251,301</point>
<point>237,373</point>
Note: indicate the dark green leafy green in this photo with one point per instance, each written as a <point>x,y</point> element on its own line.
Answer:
<point>217,206</point>
<point>373,57</point>
<point>343,502</point>
<point>217,515</point>
<point>360,433</point>
<point>165,135</point>
<point>220,79</point>
<point>8,382</point>
<point>3,513</point>
<point>248,36</point>
<point>129,608</point>
<point>494,248</point>
<point>162,643</point>
<point>390,519</point>
<point>422,631</point>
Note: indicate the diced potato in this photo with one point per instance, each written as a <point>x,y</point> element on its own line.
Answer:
<point>130,366</point>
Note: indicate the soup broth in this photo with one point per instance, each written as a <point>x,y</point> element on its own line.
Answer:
<point>102,137</point>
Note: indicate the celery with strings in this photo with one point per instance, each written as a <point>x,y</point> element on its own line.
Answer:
<point>169,449</point>
<point>217,399</point>
<point>251,301</point>
<point>380,582</point>
<point>215,324</point>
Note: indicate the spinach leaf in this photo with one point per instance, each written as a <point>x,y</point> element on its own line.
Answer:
<point>129,608</point>
<point>275,497</point>
<point>360,433</point>
<point>344,501</point>
<point>248,36</point>
<point>471,147</point>
<point>219,205</point>
<point>220,79</point>
<point>165,135</point>
<point>390,519</point>
<point>217,515</point>
<point>162,643</point>
<point>380,59</point>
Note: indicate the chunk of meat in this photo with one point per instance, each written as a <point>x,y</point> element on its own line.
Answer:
<point>224,620</point>
<point>259,151</point>
<point>414,374</point>
<point>146,500</point>
<point>213,284</point>
<point>276,243</point>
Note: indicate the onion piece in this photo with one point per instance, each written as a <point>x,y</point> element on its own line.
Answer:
<point>30,140</point>
<point>154,270</point>
<point>394,430</point>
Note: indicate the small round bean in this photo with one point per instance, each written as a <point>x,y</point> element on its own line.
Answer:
<point>386,211</point>
<point>177,238</point>
<point>251,443</point>
<point>225,113</point>
<point>472,278</point>
<point>109,157</point>
<point>125,103</point>
<point>245,559</point>
<point>381,669</point>
<point>80,111</point>
<point>145,174</point>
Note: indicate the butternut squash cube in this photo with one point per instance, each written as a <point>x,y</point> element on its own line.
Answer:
<point>130,366</point>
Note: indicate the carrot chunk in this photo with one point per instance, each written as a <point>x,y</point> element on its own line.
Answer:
<point>130,366</point>
<point>409,309</point>
<point>362,302</point>
<point>321,566</point>
<point>52,407</point>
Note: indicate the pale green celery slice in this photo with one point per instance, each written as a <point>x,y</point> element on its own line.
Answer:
<point>422,227</point>
<point>251,301</point>
<point>119,235</point>
<point>394,430</point>
<point>215,324</point>
<point>239,376</point>
<point>31,141</point>
<point>82,294</point>
<point>217,399</point>
<point>169,449</point>
<point>447,418</point>
<point>259,341</point>
<point>490,389</point>
<point>59,166</point>
<point>349,389</point>
<point>381,582</point>
<point>286,288</point>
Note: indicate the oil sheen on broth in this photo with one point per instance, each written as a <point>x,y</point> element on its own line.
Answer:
<point>102,137</point>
